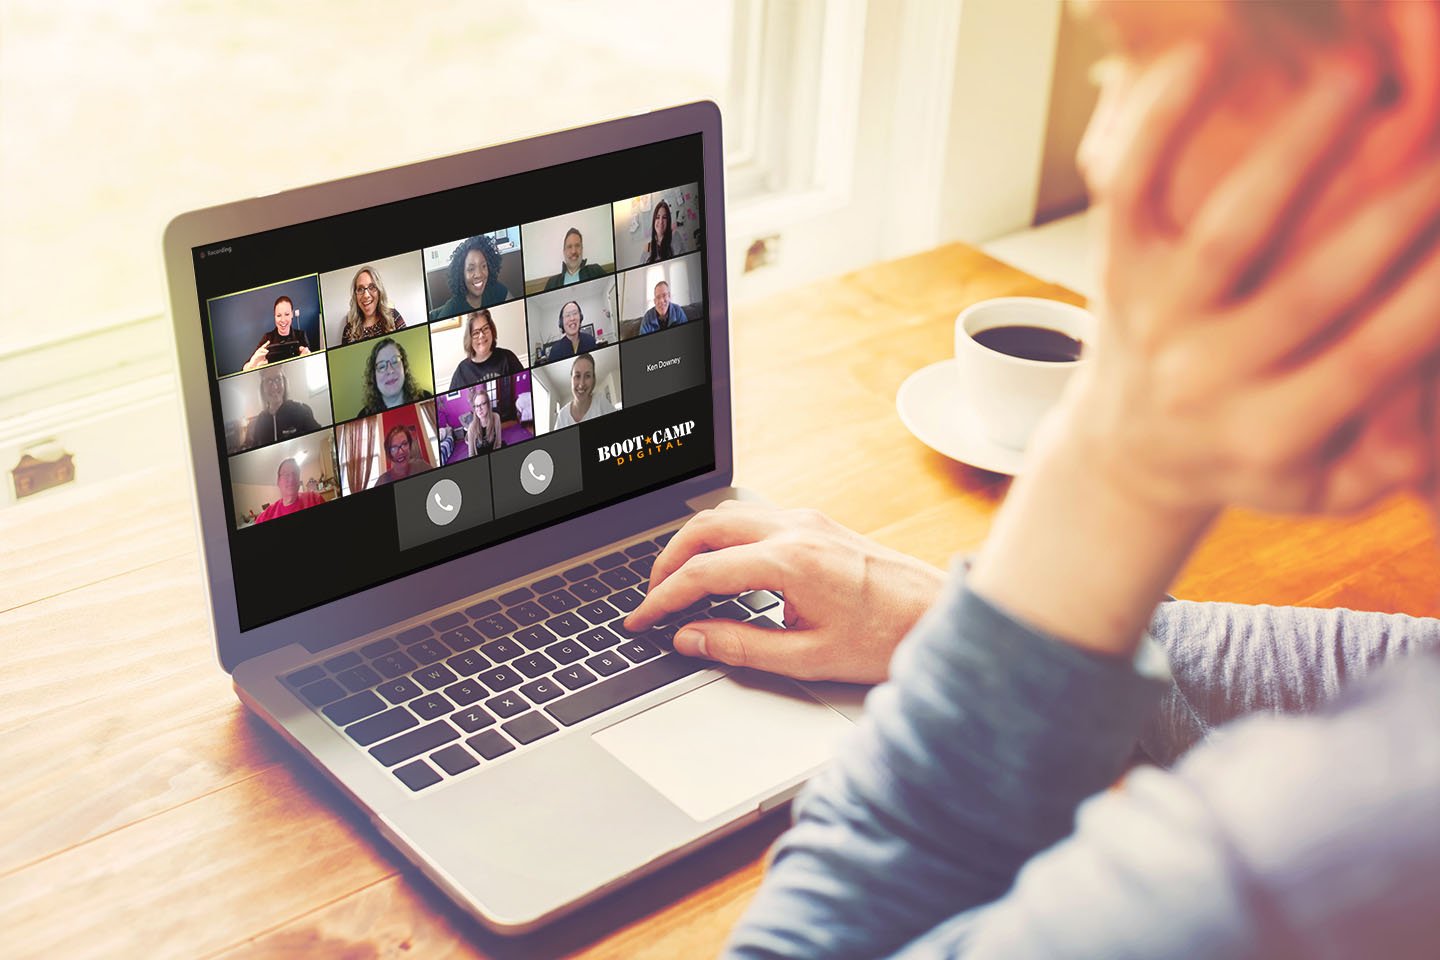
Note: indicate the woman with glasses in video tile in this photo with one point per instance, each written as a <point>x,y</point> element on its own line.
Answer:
<point>474,279</point>
<point>280,417</point>
<point>484,358</point>
<point>370,313</point>
<point>388,380</point>
<point>401,455</point>
<point>482,433</point>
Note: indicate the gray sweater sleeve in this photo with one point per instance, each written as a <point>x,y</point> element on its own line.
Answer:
<point>1230,659</point>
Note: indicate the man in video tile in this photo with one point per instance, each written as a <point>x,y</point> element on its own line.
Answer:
<point>282,343</point>
<point>664,314</point>
<point>292,498</point>
<point>574,268</point>
<point>280,418</point>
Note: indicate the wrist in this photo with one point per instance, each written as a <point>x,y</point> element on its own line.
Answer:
<point>1075,553</point>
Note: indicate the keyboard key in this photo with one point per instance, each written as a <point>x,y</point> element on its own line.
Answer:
<point>643,566</point>
<point>428,651</point>
<point>534,665</point>
<point>400,691</point>
<point>465,692</point>
<point>490,744</point>
<point>518,595</point>
<point>626,600</point>
<point>558,601</point>
<point>610,560</point>
<point>765,623</point>
<point>535,637</point>
<point>606,664</point>
<point>642,549</point>
<point>638,651</point>
<point>448,622</point>
<point>565,625</point>
<point>622,688</point>
<point>482,609</point>
<point>506,705</point>
<point>619,578</point>
<point>417,775</point>
<point>461,639</point>
<point>420,740</point>
<point>665,538</point>
<point>497,625</point>
<point>343,662</point>
<point>453,759</point>
<point>729,610</point>
<point>598,639</point>
<point>529,728</point>
<point>547,584</point>
<point>527,613</point>
<point>309,675</point>
<point>433,678</point>
<point>382,726</point>
<point>542,691</point>
<point>580,572</point>
<point>358,678</point>
<point>501,678</point>
<point>598,612</point>
<point>469,663</point>
<point>575,677</point>
<point>588,590</point>
<point>431,705</point>
<point>566,651</point>
<point>353,708</point>
<point>502,650</point>
<point>758,600</point>
<point>392,665</point>
<point>322,692</point>
<point>472,719</point>
<point>380,647</point>
<point>414,634</point>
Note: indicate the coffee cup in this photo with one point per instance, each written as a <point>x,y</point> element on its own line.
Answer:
<point>1013,356</point>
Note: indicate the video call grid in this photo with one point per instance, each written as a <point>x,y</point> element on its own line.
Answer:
<point>612,277</point>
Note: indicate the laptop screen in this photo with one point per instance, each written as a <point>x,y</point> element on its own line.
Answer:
<point>404,384</point>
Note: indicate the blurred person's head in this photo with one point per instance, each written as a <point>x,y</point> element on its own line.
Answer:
<point>284,315</point>
<point>287,479</point>
<point>574,250</point>
<point>478,335</point>
<point>274,389</point>
<point>571,316</point>
<point>582,377</point>
<point>398,450</point>
<point>662,298</point>
<point>473,264</point>
<point>369,305</point>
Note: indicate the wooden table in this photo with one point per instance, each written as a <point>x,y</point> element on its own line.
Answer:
<point>144,813</point>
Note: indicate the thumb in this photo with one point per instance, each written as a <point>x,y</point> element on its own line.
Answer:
<point>744,645</point>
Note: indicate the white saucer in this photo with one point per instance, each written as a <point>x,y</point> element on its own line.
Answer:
<point>931,408</point>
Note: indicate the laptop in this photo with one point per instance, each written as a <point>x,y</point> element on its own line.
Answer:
<point>421,533</point>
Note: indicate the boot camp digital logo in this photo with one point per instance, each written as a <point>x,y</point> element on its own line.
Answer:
<point>644,445</point>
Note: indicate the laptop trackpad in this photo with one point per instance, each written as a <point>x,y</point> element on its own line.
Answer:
<point>728,742</point>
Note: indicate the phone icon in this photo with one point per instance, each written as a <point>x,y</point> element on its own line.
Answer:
<point>539,477</point>
<point>443,502</point>
<point>537,472</point>
<point>447,507</point>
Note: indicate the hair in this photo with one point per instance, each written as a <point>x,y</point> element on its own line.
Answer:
<point>355,320</point>
<point>561,319</point>
<point>469,329</point>
<point>293,463</point>
<point>398,428</point>
<point>283,299</point>
<point>584,356</point>
<point>663,250</point>
<point>487,248</point>
<point>576,232</point>
<point>410,391</point>
<point>283,379</point>
<point>475,431</point>
<point>659,284</point>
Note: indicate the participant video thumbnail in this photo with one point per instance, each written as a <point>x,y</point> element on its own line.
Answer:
<point>372,299</point>
<point>657,226</point>
<point>265,325</point>
<point>274,403</point>
<point>473,272</point>
<point>660,296</point>
<point>377,375</point>
<point>387,447</point>
<point>480,345</point>
<point>571,320</point>
<point>575,390</point>
<point>485,417</point>
<point>283,478</point>
<point>568,249</point>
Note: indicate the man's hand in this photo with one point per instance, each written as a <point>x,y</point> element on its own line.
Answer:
<point>848,600</point>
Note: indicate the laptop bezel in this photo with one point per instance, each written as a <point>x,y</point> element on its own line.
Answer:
<point>413,594</point>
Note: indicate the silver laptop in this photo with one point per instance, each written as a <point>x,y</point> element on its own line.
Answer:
<point>442,420</point>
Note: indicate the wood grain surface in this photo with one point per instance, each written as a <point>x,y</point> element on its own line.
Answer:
<point>144,813</point>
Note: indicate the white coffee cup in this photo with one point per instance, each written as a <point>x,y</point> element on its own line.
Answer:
<point>1009,395</point>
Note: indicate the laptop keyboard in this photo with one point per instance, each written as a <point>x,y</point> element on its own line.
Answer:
<point>437,700</point>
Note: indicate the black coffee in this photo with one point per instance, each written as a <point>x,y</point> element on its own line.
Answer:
<point>1031,343</point>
